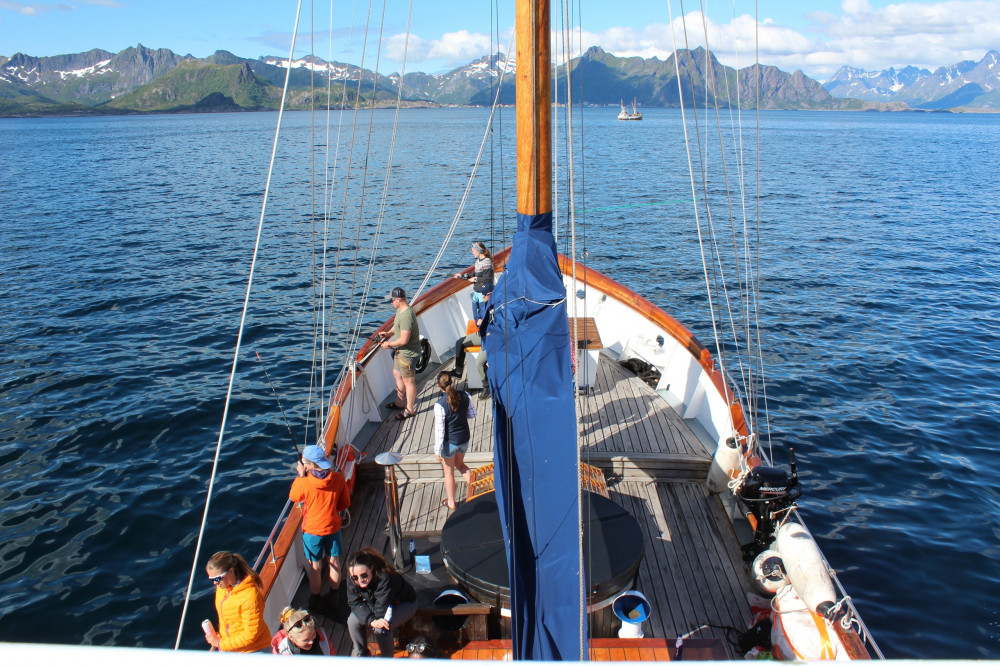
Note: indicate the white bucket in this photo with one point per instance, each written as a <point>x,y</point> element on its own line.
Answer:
<point>632,608</point>
<point>449,622</point>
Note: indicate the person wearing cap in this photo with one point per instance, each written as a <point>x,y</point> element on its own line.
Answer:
<point>323,493</point>
<point>405,341</point>
<point>299,635</point>
<point>474,340</point>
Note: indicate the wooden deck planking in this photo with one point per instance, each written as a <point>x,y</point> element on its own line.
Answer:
<point>645,402</point>
<point>622,415</point>
<point>662,575</point>
<point>612,416</point>
<point>723,550</point>
<point>706,541</point>
<point>692,572</point>
<point>662,422</point>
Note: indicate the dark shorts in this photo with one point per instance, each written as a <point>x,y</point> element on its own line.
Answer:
<point>406,366</point>
<point>315,546</point>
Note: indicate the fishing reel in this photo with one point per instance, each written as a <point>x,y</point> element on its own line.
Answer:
<point>767,493</point>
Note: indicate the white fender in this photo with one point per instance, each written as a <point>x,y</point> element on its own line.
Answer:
<point>769,572</point>
<point>724,463</point>
<point>805,567</point>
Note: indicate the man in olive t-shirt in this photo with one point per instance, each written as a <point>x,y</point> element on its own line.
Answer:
<point>406,341</point>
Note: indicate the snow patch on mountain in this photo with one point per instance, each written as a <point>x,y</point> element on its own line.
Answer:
<point>86,71</point>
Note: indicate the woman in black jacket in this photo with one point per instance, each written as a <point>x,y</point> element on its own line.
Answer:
<point>379,597</point>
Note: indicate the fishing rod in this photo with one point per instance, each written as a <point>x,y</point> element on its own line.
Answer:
<point>287,427</point>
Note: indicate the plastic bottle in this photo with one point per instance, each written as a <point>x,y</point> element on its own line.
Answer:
<point>206,626</point>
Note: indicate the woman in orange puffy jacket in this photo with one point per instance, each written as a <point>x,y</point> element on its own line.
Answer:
<point>240,604</point>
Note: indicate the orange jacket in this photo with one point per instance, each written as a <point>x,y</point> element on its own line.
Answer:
<point>241,618</point>
<point>322,501</point>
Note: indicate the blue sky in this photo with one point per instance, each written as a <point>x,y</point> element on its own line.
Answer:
<point>817,36</point>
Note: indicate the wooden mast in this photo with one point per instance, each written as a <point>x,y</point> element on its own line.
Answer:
<point>534,108</point>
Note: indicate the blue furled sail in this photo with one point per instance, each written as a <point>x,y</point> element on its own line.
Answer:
<point>535,453</point>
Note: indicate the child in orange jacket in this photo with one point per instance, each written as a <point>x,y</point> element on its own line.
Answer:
<point>323,493</point>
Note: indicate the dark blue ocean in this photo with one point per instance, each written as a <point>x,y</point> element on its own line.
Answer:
<point>125,246</point>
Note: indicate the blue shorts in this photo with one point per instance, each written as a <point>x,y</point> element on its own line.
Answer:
<point>315,546</point>
<point>450,449</point>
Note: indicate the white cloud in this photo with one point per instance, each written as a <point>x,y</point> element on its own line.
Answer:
<point>452,48</point>
<point>925,34</point>
<point>909,33</point>
<point>855,7</point>
<point>35,8</point>
<point>732,43</point>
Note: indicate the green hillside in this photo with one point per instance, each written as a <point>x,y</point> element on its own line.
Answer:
<point>199,85</point>
<point>17,100</point>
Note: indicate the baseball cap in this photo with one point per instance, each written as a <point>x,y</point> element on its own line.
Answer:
<point>315,454</point>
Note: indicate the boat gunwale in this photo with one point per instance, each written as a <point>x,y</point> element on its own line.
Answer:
<point>449,287</point>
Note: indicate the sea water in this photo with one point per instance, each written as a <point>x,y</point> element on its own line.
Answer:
<point>125,251</point>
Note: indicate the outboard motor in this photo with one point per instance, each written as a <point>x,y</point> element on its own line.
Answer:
<point>767,492</point>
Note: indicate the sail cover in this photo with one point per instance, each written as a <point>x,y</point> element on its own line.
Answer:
<point>535,458</point>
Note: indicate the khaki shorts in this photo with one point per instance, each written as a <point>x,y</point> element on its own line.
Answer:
<point>406,366</point>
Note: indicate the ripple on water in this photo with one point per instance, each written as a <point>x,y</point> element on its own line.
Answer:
<point>121,286</point>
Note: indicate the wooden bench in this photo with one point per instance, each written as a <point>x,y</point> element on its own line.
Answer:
<point>586,340</point>
<point>584,334</point>
<point>600,649</point>
<point>481,481</point>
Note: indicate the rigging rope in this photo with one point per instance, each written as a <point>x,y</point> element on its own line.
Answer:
<point>576,326</point>
<point>715,274</point>
<point>239,337</point>
<point>468,187</point>
<point>328,184</point>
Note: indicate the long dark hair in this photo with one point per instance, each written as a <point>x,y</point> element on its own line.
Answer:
<point>224,561</point>
<point>482,249</point>
<point>444,383</point>
<point>371,558</point>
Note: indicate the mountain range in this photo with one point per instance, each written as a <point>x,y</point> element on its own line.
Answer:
<point>967,85</point>
<point>144,80</point>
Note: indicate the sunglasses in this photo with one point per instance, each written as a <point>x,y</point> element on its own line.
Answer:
<point>217,579</point>
<point>416,648</point>
<point>360,576</point>
<point>307,621</point>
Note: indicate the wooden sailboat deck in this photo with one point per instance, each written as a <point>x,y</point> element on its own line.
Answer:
<point>692,571</point>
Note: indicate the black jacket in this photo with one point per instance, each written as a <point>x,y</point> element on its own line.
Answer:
<point>370,603</point>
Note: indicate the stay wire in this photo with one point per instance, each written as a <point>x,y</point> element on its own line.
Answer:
<point>278,400</point>
<point>380,220</point>
<point>566,34</point>
<point>757,262</point>
<point>361,306</point>
<point>746,373</point>
<point>468,188</point>
<point>710,276</point>
<point>321,347</point>
<point>239,337</point>
<point>332,190</point>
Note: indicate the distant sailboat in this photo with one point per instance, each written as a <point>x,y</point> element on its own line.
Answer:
<point>625,115</point>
